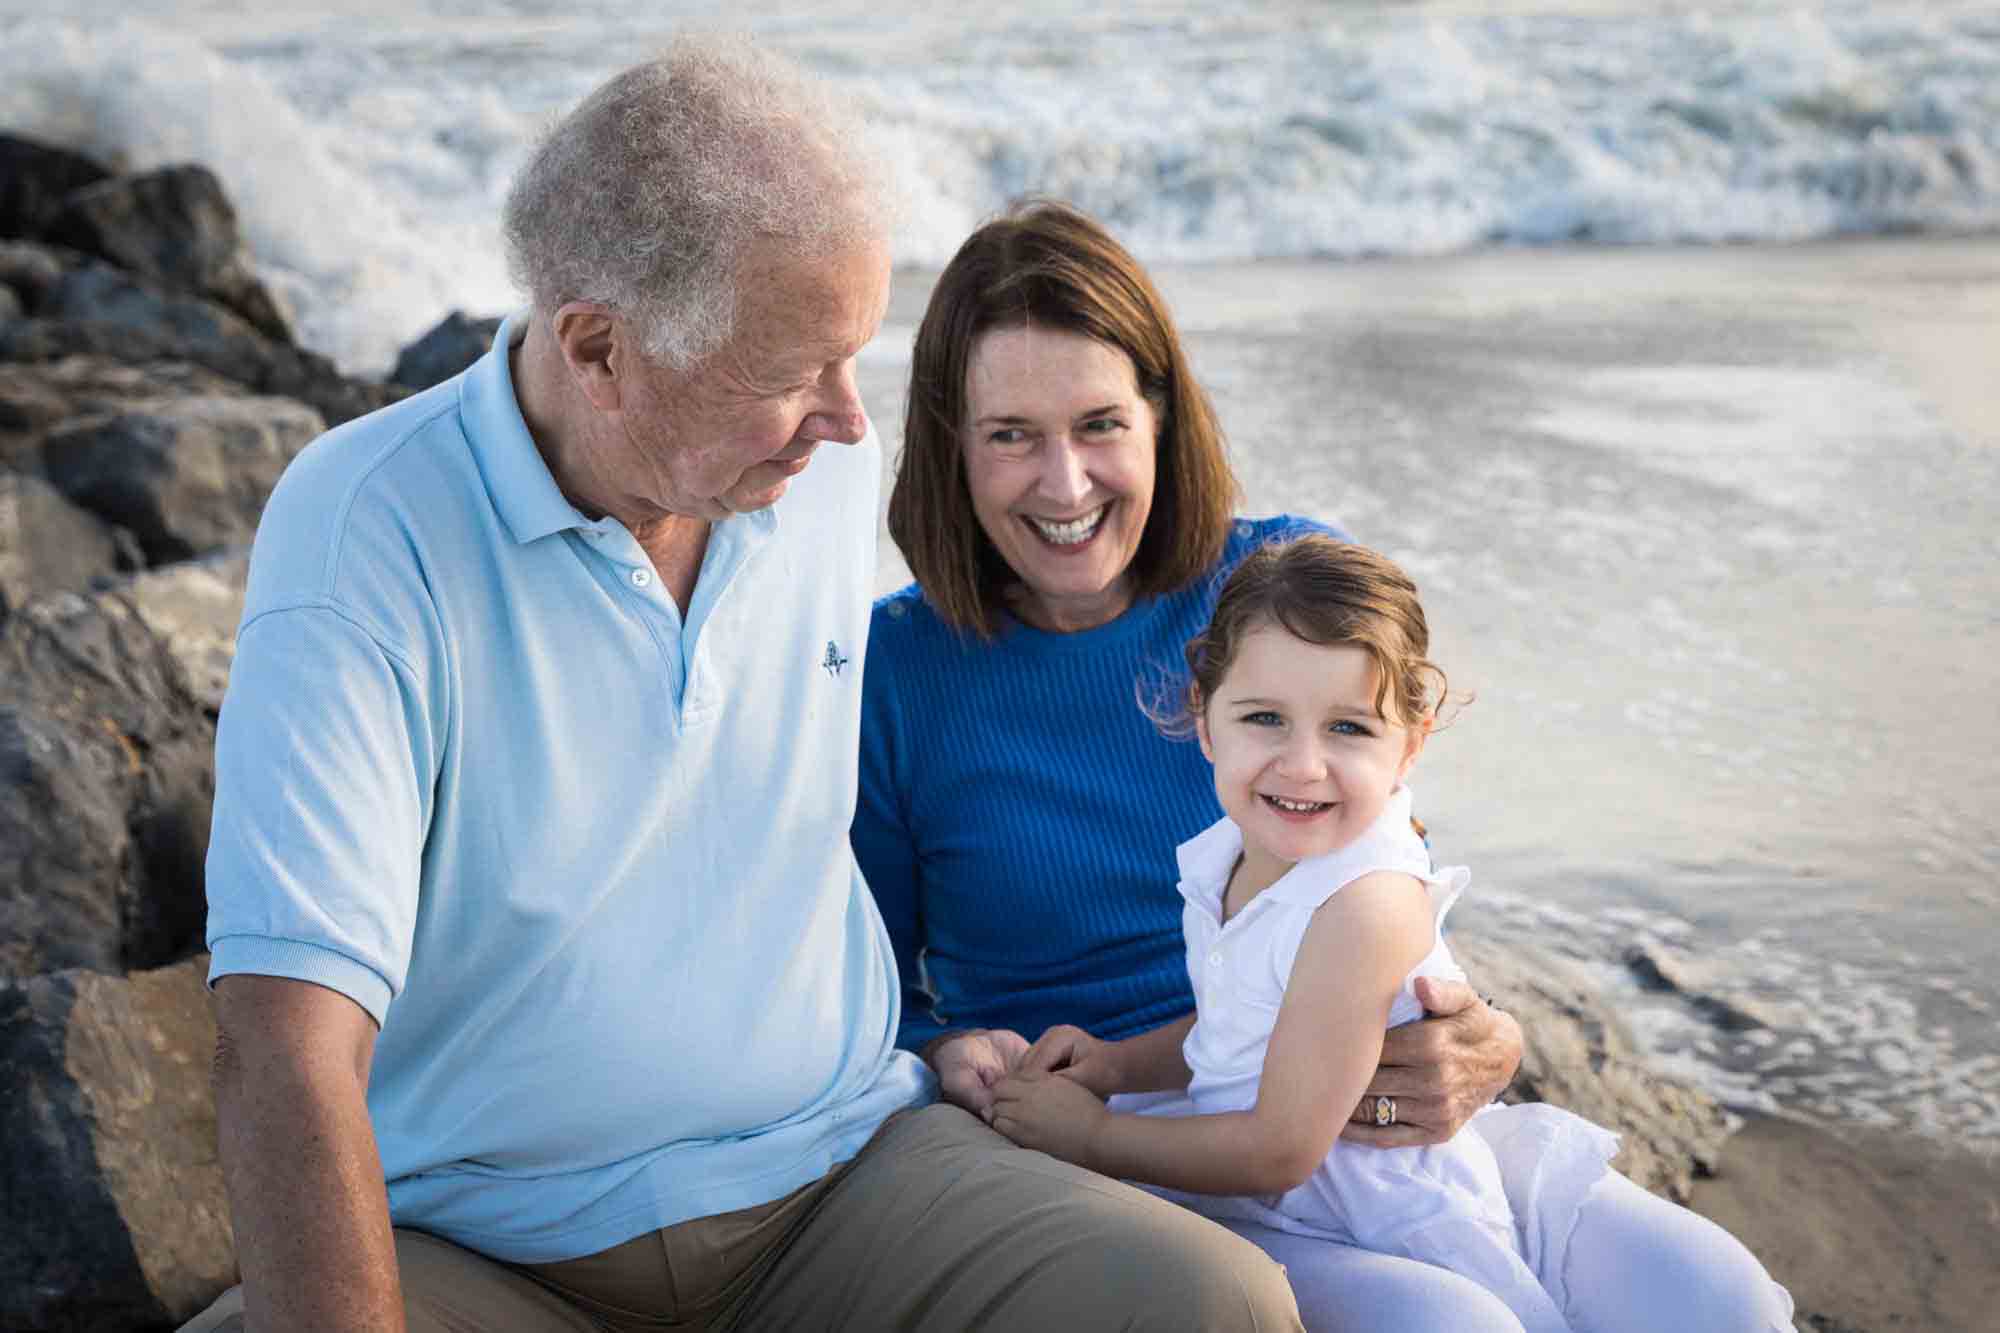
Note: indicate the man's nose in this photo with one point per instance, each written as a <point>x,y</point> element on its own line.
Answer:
<point>841,419</point>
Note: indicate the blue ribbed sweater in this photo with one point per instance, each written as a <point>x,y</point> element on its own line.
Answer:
<point>1019,813</point>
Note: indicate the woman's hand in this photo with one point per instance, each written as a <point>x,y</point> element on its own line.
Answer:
<point>969,1063</point>
<point>1048,1112</point>
<point>1077,1056</point>
<point>1439,1071</point>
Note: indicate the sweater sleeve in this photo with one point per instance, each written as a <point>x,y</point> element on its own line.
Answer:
<point>885,847</point>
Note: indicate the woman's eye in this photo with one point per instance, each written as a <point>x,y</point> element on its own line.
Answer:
<point>1102,425</point>
<point>1008,438</point>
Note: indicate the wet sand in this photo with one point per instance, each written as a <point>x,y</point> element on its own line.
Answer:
<point>1870,1230</point>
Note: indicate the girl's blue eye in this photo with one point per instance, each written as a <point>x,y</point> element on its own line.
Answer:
<point>1349,728</point>
<point>1262,718</point>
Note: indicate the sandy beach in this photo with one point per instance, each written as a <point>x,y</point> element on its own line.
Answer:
<point>1709,535</point>
<point>1870,1229</point>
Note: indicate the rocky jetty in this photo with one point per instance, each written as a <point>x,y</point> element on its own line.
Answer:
<point>150,395</point>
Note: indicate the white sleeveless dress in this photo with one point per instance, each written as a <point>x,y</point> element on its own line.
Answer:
<point>1497,1204</point>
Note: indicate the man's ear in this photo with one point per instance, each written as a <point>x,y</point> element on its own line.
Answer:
<point>593,340</point>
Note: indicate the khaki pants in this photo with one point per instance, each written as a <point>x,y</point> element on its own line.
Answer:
<point>939,1225</point>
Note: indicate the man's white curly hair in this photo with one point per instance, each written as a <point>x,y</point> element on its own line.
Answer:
<point>645,197</point>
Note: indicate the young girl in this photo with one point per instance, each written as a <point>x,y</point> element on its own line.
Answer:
<point>1312,907</point>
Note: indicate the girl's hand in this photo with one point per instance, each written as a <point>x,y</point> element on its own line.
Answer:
<point>968,1064</point>
<point>1077,1056</point>
<point>1048,1112</point>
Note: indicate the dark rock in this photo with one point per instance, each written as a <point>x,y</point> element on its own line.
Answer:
<point>47,544</point>
<point>34,179</point>
<point>176,226</point>
<point>116,1212</point>
<point>1701,989</point>
<point>1581,1057</point>
<point>31,271</point>
<point>183,475</point>
<point>10,305</point>
<point>105,791</point>
<point>144,309</point>
<point>194,607</point>
<point>28,407</point>
<point>101,311</point>
<point>456,342</point>
<point>35,398</point>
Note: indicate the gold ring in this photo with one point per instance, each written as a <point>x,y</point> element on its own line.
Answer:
<point>1385,1111</point>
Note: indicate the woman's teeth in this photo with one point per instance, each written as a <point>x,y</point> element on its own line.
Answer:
<point>1070,533</point>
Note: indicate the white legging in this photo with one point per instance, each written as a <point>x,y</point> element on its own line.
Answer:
<point>1635,1264</point>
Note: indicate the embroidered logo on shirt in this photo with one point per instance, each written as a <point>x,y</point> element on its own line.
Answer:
<point>833,661</point>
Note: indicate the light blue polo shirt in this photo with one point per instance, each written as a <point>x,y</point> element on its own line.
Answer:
<point>585,863</point>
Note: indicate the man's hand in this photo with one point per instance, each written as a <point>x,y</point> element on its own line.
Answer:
<point>1077,1056</point>
<point>1440,1070</point>
<point>968,1064</point>
<point>1049,1113</point>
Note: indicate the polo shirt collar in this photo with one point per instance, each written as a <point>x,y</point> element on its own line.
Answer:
<point>1206,861</point>
<point>1305,884</point>
<point>517,480</point>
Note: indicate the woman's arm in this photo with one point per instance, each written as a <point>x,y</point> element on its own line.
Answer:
<point>1323,1050</point>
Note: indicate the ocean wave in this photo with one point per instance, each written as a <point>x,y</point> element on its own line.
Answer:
<point>367,161</point>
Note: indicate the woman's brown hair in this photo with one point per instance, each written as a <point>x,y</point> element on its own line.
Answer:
<point>1045,263</point>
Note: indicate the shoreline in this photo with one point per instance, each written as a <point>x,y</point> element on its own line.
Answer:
<point>1871,1230</point>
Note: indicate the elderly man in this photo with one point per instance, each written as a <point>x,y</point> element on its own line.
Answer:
<point>549,995</point>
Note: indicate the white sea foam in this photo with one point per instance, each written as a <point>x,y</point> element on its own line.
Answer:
<point>367,147</point>
<point>1843,1042</point>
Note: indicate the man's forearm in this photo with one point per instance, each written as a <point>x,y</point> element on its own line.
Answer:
<point>305,1193</point>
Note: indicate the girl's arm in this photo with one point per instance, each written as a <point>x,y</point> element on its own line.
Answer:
<point>1328,1038</point>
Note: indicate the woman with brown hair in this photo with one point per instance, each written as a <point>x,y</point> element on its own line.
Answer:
<point>1066,504</point>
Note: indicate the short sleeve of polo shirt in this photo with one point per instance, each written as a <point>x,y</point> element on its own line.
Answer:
<point>325,758</point>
